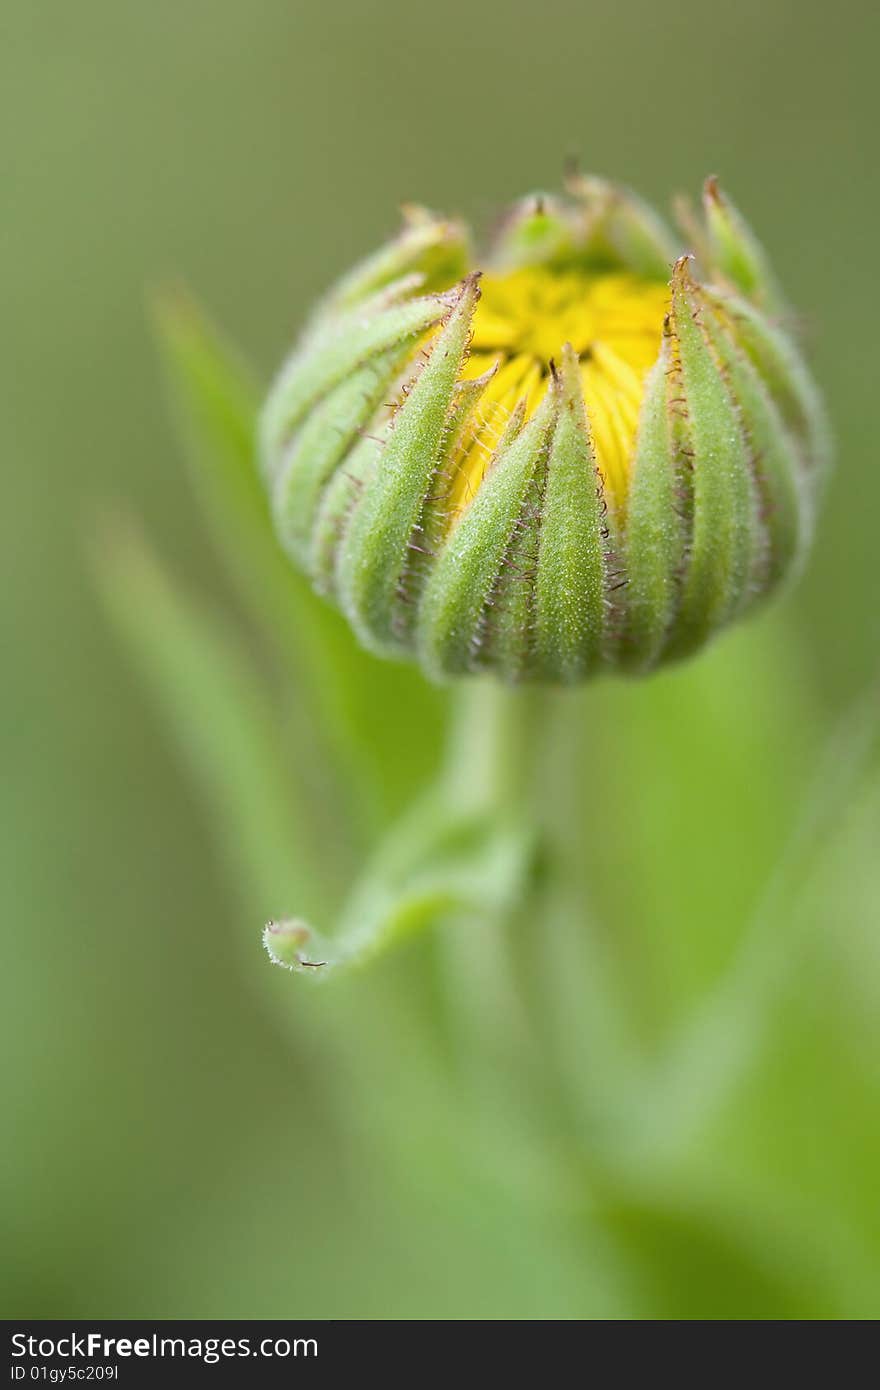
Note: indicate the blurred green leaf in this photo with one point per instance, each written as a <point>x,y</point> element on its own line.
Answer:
<point>688,1259</point>
<point>225,721</point>
<point>677,796</point>
<point>381,724</point>
<point>728,1032</point>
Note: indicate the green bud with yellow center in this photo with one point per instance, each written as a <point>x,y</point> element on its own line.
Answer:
<point>591,453</point>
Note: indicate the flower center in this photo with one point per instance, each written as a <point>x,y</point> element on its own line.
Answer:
<point>613,321</point>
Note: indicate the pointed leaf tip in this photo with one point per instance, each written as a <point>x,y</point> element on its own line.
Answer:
<point>287,943</point>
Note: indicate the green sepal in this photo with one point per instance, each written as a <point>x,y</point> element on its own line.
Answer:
<point>735,251</point>
<point>654,529</point>
<point>781,368</point>
<point>538,230</point>
<point>376,549</point>
<point>321,443</point>
<point>508,629</point>
<point>569,596</point>
<point>725,529</point>
<point>330,357</point>
<point>777,470</point>
<point>620,231</point>
<point>433,524</point>
<point>436,249</point>
<point>456,613</point>
<point>464,403</point>
<point>339,501</point>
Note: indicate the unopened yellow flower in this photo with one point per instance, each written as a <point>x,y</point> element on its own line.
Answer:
<point>589,452</point>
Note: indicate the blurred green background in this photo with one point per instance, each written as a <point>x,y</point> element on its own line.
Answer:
<point>187,1135</point>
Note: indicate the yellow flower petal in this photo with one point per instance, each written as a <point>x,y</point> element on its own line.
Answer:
<point>523,320</point>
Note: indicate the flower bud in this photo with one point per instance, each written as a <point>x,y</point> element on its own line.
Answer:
<point>589,454</point>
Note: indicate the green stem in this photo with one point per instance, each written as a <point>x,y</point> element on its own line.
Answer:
<point>539,984</point>
<point>494,746</point>
<point>492,761</point>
